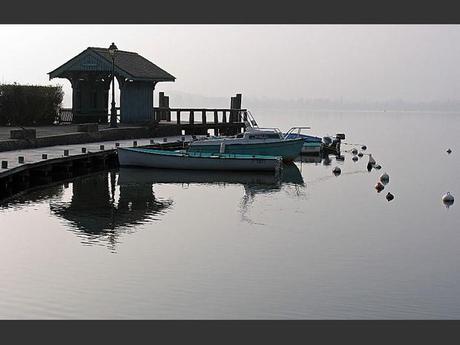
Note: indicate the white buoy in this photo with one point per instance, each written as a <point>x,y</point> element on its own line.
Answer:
<point>448,199</point>
<point>371,160</point>
<point>360,154</point>
<point>336,171</point>
<point>354,158</point>
<point>364,147</point>
<point>384,178</point>
<point>354,151</point>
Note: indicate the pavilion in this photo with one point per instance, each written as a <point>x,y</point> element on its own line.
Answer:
<point>90,74</point>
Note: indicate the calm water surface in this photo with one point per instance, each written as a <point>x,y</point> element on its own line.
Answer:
<point>154,244</point>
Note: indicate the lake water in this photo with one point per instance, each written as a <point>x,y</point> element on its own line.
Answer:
<point>148,244</point>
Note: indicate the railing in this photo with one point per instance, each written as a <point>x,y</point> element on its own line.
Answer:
<point>66,116</point>
<point>218,115</point>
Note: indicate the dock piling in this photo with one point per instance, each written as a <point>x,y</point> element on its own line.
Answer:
<point>134,143</point>
<point>83,150</point>
<point>66,153</point>
<point>44,156</point>
<point>21,159</point>
<point>4,164</point>
<point>101,147</point>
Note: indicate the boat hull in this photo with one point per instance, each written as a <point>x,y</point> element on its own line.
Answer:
<point>287,149</point>
<point>195,161</point>
<point>311,147</point>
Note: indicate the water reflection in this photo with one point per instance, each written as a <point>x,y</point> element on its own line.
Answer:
<point>101,206</point>
<point>36,196</point>
<point>254,183</point>
<point>98,209</point>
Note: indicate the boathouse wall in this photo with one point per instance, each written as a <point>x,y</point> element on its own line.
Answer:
<point>136,102</point>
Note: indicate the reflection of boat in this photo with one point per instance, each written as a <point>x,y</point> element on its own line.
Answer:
<point>128,175</point>
<point>196,160</point>
<point>254,141</point>
<point>311,143</point>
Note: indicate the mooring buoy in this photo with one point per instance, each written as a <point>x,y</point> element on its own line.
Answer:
<point>364,147</point>
<point>354,151</point>
<point>336,171</point>
<point>354,158</point>
<point>449,151</point>
<point>379,187</point>
<point>384,178</point>
<point>377,166</point>
<point>390,196</point>
<point>448,199</point>
<point>360,154</point>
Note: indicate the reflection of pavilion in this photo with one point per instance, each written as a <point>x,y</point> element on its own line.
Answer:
<point>95,209</point>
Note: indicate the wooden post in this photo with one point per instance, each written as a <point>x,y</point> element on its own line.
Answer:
<point>203,116</point>
<point>224,116</point>
<point>178,116</point>
<point>237,105</point>
<point>167,112</point>
<point>216,118</point>
<point>191,117</point>
<point>4,164</point>
<point>21,159</point>
<point>161,97</point>
<point>231,117</point>
<point>66,153</point>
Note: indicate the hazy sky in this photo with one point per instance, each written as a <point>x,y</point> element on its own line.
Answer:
<point>353,62</point>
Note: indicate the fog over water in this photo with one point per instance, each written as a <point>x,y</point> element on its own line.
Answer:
<point>346,63</point>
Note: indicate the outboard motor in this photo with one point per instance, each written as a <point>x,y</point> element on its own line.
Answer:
<point>327,140</point>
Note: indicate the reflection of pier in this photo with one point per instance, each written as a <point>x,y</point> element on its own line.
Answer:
<point>96,210</point>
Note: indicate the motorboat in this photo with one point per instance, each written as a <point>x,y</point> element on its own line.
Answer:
<point>312,144</point>
<point>254,141</point>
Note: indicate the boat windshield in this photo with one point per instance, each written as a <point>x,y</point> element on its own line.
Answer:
<point>264,136</point>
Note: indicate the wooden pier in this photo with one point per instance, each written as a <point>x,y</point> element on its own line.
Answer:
<point>22,170</point>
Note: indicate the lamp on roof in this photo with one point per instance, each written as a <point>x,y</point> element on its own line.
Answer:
<point>113,50</point>
<point>113,111</point>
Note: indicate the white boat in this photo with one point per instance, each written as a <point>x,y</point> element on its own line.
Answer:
<point>144,157</point>
<point>254,141</point>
